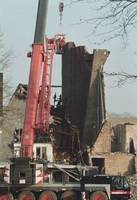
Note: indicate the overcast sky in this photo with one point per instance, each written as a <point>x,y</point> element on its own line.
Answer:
<point>17,23</point>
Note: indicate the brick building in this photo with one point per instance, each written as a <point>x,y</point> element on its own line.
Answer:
<point>115,148</point>
<point>12,120</point>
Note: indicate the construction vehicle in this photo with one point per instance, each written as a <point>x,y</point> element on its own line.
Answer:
<point>34,173</point>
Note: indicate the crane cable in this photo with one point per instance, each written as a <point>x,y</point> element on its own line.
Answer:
<point>61,9</point>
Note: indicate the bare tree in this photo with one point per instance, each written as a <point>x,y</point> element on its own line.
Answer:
<point>114,18</point>
<point>5,61</point>
<point>121,77</point>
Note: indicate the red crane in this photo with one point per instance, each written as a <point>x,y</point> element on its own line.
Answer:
<point>37,110</point>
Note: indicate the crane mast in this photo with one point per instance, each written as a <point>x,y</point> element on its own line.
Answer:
<point>37,61</point>
<point>37,112</point>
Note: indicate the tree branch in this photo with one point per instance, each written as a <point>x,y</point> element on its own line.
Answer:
<point>122,77</point>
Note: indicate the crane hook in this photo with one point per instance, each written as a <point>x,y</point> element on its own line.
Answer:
<point>61,9</point>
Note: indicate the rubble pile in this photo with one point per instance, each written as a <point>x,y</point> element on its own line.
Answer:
<point>133,184</point>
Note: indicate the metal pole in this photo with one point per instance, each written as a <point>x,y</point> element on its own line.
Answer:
<point>41,22</point>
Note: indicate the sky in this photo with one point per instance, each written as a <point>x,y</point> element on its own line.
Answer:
<point>17,23</point>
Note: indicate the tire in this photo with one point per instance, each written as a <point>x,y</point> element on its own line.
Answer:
<point>48,195</point>
<point>99,195</point>
<point>10,197</point>
<point>7,197</point>
<point>26,195</point>
<point>69,195</point>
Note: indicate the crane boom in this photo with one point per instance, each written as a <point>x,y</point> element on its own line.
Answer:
<point>45,92</point>
<point>41,22</point>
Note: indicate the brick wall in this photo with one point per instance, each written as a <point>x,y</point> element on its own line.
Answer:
<point>118,163</point>
<point>12,119</point>
<point>103,142</point>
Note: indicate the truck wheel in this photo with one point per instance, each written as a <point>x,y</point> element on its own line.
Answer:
<point>48,195</point>
<point>98,195</point>
<point>26,195</point>
<point>7,197</point>
<point>69,195</point>
<point>10,197</point>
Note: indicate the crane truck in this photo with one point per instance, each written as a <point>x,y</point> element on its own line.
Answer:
<point>34,172</point>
